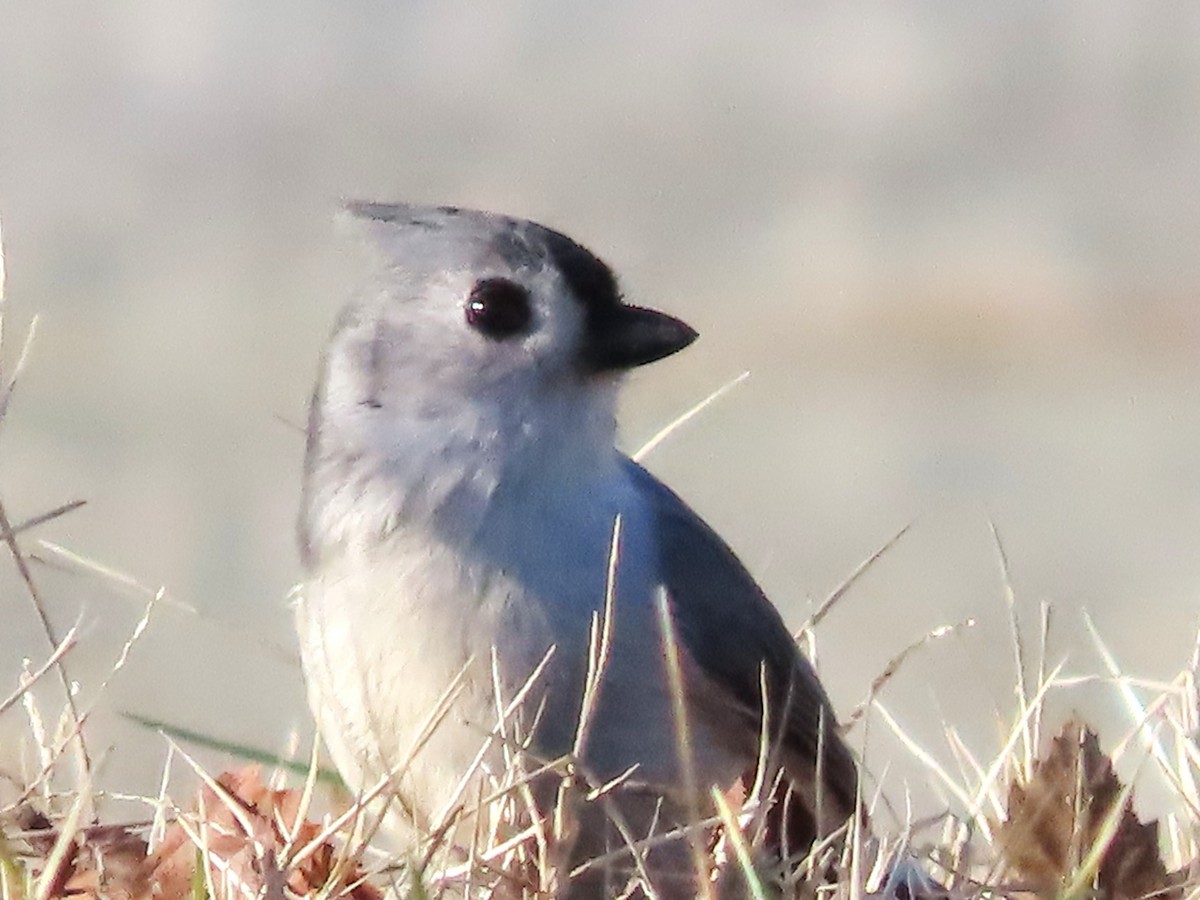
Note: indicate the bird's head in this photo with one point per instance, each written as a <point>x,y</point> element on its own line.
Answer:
<point>474,317</point>
<point>479,347</point>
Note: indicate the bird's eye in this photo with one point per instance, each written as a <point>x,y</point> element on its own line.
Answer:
<point>499,308</point>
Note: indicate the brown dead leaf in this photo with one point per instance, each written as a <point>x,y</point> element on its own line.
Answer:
<point>245,839</point>
<point>1054,821</point>
<point>101,861</point>
<point>242,857</point>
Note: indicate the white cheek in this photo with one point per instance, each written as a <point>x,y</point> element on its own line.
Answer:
<point>555,344</point>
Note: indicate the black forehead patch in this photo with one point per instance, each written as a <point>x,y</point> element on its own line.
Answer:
<point>590,280</point>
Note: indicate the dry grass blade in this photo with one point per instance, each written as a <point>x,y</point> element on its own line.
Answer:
<point>733,833</point>
<point>43,518</point>
<point>354,813</point>
<point>987,786</point>
<point>683,740</point>
<point>75,720</point>
<point>1157,709</point>
<point>926,758</point>
<point>599,644</point>
<point>218,790</point>
<point>139,629</point>
<point>8,389</point>
<point>894,664</point>
<point>8,535</point>
<point>39,608</point>
<point>647,448</point>
<point>840,591</point>
<point>1086,877</point>
<point>58,863</point>
<point>642,845</point>
<point>158,826</point>
<point>505,714</point>
<point>1043,660</point>
<point>1137,709</point>
<point>1010,604</point>
<point>968,765</point>
<point>55,555</point>
<point>120,579</point>
<point>64,647</point>
<point>768,750</point>
<point>306,796</point>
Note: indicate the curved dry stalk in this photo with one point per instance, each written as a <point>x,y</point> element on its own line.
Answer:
<point>671,427</point>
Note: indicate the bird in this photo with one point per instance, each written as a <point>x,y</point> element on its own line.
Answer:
<point>490,583</point>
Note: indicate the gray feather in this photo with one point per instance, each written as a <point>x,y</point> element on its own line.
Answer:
<point>732,630</point>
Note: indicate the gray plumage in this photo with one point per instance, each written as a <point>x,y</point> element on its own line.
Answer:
<point>460,499</point>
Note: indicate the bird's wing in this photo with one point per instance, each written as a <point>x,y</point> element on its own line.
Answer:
<point>733,632</point>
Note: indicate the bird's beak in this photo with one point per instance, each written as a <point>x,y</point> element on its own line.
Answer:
<point>623,337</point>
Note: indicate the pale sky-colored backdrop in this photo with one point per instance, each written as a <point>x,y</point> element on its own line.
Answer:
<point>956,245</point>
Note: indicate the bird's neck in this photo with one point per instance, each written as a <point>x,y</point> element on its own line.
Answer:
<point>446,474</point>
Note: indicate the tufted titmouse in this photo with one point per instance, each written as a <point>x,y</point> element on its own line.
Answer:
<point>488,579</point>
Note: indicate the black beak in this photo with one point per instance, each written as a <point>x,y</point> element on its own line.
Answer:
<point>622,337</point>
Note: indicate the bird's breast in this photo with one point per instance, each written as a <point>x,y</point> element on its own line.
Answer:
<point>390,631</point>
<point>434,620</point>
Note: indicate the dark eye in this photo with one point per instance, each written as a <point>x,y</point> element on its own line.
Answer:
<point>499,308</point>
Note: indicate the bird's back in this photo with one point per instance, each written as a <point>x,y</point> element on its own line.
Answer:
<point>738,639</point>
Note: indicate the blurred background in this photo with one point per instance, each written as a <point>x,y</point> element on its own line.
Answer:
<point>956,246</point>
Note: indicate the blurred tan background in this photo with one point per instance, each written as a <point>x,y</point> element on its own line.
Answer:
<point>957,247</point>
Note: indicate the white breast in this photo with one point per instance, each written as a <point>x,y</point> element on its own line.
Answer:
<point>386,632</point>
